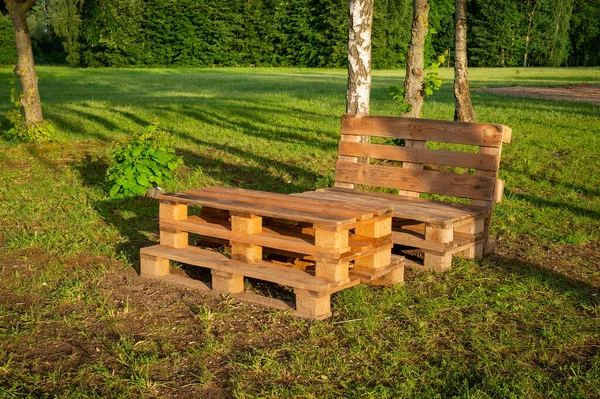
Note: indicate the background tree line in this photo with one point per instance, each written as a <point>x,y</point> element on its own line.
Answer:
<point>309,33</point>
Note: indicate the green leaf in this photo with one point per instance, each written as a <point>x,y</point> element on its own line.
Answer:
<point>114,190</point>
<point>137,151</point>
<point>143,180</point>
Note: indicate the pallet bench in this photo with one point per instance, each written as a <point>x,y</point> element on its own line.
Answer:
<point>335,244</point>
<point>466,168</point>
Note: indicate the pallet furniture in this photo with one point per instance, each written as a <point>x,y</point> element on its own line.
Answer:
<point>332,244</point>
<point>466,167</point>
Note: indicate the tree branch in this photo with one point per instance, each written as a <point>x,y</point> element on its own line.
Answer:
<point>28,4</point>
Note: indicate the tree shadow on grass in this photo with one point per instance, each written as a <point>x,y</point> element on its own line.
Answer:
<point>584,292</point>
<point>541,203</point>
<point>591,192</point>
<point>136,219</point>
<point>290,178</point>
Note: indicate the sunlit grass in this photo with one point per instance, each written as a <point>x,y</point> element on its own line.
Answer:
<point>523,323</point>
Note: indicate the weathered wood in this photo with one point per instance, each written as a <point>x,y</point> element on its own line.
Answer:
<point>173,212</point>
<point>435,261</point>
<point>464,185</point>
<point>498,193</point>
<point>330,250</point>
<point>246,226</point>
<point>336,271</point>
<point>296,244</point>
<point>446,227</point>
<point>313,305</point>
<point>475,230</point>
<point>227,283</point>
<point>448,207</point>
<point>420,155</point>
<point>259,270</point>
<point>479,134</point>
<point>292,202</point>
<point>437,213</point>
<point>335,222</point>
<point>418,145</point>
<point>153,266</point>
<point>379,258</point>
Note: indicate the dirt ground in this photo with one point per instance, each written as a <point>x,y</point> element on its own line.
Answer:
<point>582,93</point>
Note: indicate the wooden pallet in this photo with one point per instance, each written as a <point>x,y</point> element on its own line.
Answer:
<point>444,228</point>
<point>344,245</point>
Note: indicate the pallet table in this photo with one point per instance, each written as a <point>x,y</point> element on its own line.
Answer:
<point>335,244</point>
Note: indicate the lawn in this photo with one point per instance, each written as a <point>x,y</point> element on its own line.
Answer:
<point>77,321</point>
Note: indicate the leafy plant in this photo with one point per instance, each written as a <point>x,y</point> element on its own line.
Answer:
<point>146,160</point>
<point>432,82</point>
<point>397,94</point>
<point>31,133</point>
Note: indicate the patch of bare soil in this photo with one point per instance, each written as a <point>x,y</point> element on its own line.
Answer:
<point>127,311</point>
<point>582,93</point>
<point>24,262</point>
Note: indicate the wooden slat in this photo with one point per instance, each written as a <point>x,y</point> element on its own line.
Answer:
<point>403,209</point>
<point>194,224</point>
<point>420,155</point>
<point>368,276</point>
<point>448,207</point>
<point>414,144</point>
<point>459,238</point>
<point>260,270</point>
<point>412,239</point>
<point>480,134</point>
<point>326,221</point>
<point>291,202</point>
<point>464,185</point>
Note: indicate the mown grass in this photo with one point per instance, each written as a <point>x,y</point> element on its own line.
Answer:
<point>76,321</point>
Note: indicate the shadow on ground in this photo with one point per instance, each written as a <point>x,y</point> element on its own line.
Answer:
<point>570,269</point>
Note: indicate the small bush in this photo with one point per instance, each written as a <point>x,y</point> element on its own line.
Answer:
<point>146,160</point>
<point>39,132</point>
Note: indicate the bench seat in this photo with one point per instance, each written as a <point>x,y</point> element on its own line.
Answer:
<point>419,156</point>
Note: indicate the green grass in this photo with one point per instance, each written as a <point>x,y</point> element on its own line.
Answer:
<point>76,321</point>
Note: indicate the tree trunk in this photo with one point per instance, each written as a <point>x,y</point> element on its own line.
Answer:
<point>413,83</point>
<point>25,69</point>
<point>463,110</point>
<point>529,33</point>
<point>360,21</point>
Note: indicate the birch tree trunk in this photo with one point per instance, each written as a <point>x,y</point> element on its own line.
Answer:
<point>463,109</point>
<point>25,69</point>
<point>413,83</point>
<point>360,22</point>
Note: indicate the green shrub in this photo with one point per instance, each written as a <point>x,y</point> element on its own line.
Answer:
<point>39,132</point>
<point>146,160</point>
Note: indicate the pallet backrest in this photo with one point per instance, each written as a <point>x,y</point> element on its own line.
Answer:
<point>416,169</point>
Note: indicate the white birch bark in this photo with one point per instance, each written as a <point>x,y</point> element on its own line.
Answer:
<point>360,22</point>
